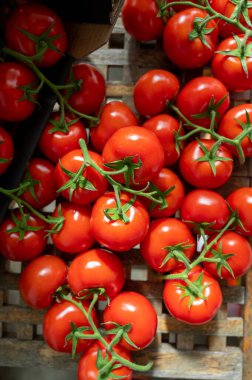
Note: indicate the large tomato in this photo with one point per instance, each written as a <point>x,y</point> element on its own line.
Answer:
<point>114,233</point>
<point>96,268</point>
<point>135,309</point>
<point>34,29</point>
<point>6,150</point>
<point>187,307</point>
<point>240,201</point>
<point>16,80</point>
<point>165,236</point>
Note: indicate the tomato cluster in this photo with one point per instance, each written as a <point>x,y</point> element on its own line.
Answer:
<point>117,178</point>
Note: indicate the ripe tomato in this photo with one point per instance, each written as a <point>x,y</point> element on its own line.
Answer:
<point>164,236</point>
<point>154,90</point>
<point>116,234</point>
<point>55,144</point>
<point>14,246</point>
<point>43,24</point>
<point>199,97</point>
<point>205,174</point>
<point>87,366</point>
<point>6,150</point>
<point>96,268</point>
<point>229,68</point>
<point>165,127</point>
<point>40,279</point>
<point>240,201</point>
<point>230,243</point>
<point>204,207</point>
<point>177,300</point>
<point>16,80</point>
<point>135,309</point>
<point>114,115</point>
<point>40,183</point>
<point>90,93</point>
<point>89,185</point>
<point>140,144</point>
<point>140,19</point>
<point>57,325</point>
<point>181,7</point>
<point>75,235</point>
<point>187,45</point>
<point>233,123</point>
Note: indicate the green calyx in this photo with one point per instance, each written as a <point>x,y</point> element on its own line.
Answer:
<point>56,222</point>
<point>241,9</point>
<point>212,106</point>
<point>177,252</point>
<point>61,125</point>
<point>200,31</point>
<point>221,260</point>
<point>194,290</point>
<point>247,126</point>
<point>160,196</point>
<point>28,184</point>
<point>128,165</point>
<point>21,225</point>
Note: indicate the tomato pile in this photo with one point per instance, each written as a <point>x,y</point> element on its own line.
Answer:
<point>123,178</point>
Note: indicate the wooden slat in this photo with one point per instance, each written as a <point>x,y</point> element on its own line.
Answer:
<point>218,343</point>
<point>247,341</point>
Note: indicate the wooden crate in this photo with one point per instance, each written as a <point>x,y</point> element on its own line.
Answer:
<point>218,350</point>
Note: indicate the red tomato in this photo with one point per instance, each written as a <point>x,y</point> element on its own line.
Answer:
<point>201,310</point>
<point>165,127</point>
<point>181,7</point>
<point>113,116</point>
<point>231,126</point>
<point>200,173</point>
<point>55,144</point>
<point>184,45</point>
<point>154,90</point>
<point>6,150</point>
<point>57,325</point>
<point>201,96</point>
<point>140,144</point>
<point>40,279</point>
<point>96,268</point>
<point>13,105</point>
<point>164,236</point>
<point>75,235</point>
<point>90,93</point>
<point>230,243</point>
<point>204,206</point>
<point>135,309</point>
<point>43,24</point>
<point>43,191</point>
<point>31,245</point>
<point>89,185</point>
<point>140,19</point>
<point>229,69</point>
<point>87,367</point>
<point>116,234</point>
<point>240,201</point>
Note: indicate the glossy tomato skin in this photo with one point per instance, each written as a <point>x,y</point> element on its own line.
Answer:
<point>204,206</point>
<point>36,19</point>
<point>196,97</point>
<point>181,7</point>
<point>154,90</point>
<point>229,127</point>
<point>201,311</point>
<point>75,235</point>
<point>32,245</point>
<point>89,96</point>
<point>57,325</point>
<point>140,19</point>
<point>162,233</point>
<point>200,173</point>
<point>229,69</point>
<point>72,161</point>
<point>96,268</point>
<point>116,234</point>
<point>165,127</point>
<point>56,144</point>
<point>40,279</point>
<point>13,107</point>
<point>142,145</point>
<point>113,116</point>
<point>41,171</point>
<point>179,48</point>
<point>87,369</point>
<point>6,150</point>
<point>136,309</point>
<point>237,245</point>
<point>240,200</point>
